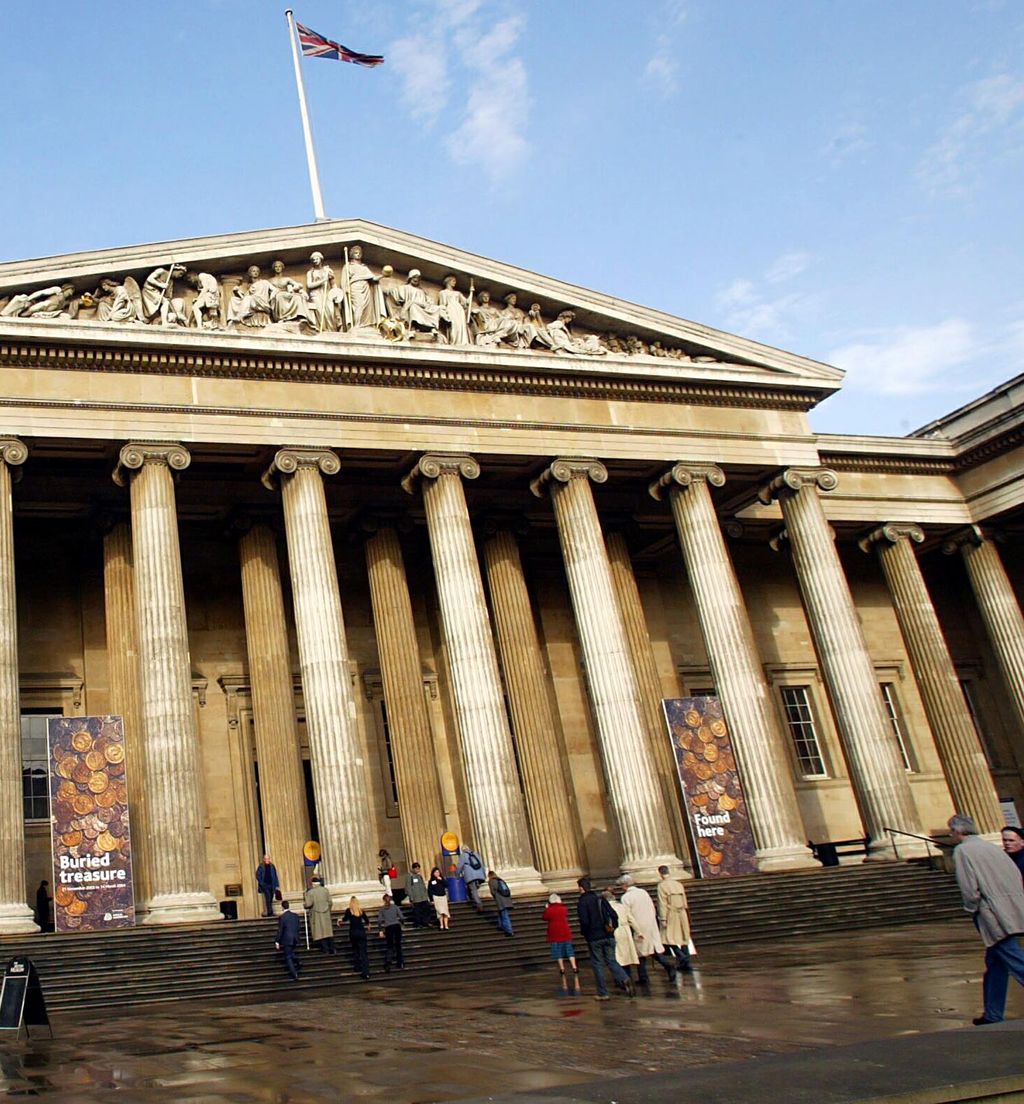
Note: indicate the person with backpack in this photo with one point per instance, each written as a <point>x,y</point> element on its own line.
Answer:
<point>598,922</point>
<point>502,900</point>
<point>471,869</point>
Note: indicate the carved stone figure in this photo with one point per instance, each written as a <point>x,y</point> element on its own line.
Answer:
<point>415,307</point>
<point>50,302</point>
<point>534,330</point>
<point>513,320</point>
<point>157,292</point>
<point>487,321</point>
<point>562,340</point>
<point>326,298</point>
<point>361,291</point>
<point>251,304</point>
<point>289,303</point>
<point>205,311</point>
<point>454,312</point>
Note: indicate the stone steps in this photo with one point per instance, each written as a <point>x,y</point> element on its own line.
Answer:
<point>237,961</point>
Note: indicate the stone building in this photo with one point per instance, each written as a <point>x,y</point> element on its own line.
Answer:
<point>363,554</point>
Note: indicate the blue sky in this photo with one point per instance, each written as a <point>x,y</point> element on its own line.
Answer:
<point>841,179</point>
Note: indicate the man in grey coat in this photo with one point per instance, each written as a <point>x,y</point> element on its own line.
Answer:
<point>991,888</point>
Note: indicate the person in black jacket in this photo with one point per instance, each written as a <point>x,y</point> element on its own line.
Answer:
<point>358,922</point>
<point>389,928</point>
<point>288,939</point>
<point>597,926</point>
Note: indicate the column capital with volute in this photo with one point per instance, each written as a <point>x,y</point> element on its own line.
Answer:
<point>794,479</point>
<point>975,535</point>
<point>566,468</point>
<point>13,451</point>
<point>892,531</point>
<point>288,460</point>
<point>136,453</point>
<point>684,474</point>
<point>432,465</point>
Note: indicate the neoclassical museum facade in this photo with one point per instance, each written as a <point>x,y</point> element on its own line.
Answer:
<point>367,538</point>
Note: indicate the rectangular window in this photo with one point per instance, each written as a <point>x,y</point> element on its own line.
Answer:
<point>389,753</point>
<point>35,766</point>
<point>702,692</point>
<point>892,711</point>
<point>796,701</point>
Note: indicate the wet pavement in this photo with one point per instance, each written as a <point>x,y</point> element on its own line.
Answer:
<point>465,1037</point>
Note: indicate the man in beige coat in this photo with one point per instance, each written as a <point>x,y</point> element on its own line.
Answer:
<point>318,901</point>
<point>675,921</point>
<point>991,888</point>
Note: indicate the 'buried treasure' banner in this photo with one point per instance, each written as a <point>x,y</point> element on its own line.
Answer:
<point>715,805</point>
<point>92,858</point>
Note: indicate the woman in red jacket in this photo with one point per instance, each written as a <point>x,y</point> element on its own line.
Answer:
<point>556,916</point>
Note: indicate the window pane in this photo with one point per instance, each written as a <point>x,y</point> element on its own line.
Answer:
<point>797,705</point>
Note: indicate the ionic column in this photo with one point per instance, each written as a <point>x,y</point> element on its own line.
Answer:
<point>178,878</point>
<point>554,824</point>
<point>282,787</point>
<point>336,751</point>
<point>633,786</point>
<point>15,915</point>
<point>123,659</point>
<point>1000,611</point>
<point>499,818</point>
<point>649,686</point>
<point>420,802</point>
<point>960,751</point>
<point>876,769</point>
<point>757,735</point>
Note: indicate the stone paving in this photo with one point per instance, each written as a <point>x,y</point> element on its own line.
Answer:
<point>465,1037</point>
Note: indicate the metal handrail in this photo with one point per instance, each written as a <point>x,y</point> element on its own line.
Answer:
<point>894,832</point>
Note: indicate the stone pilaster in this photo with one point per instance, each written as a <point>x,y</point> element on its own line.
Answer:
<point>499,817</point>
<point>554,824</point>
<point>336,750</point>
<point>960,751</point>
<point>420,802</point>
<point>876,769</point>
<point>649,686</point>
<point>123,659</point>
<point>633,785</point>
<point>999,608</point>
<point>15,915</point>
<point>178,877</point>
<point>282,787</point>
<point>753,720</point>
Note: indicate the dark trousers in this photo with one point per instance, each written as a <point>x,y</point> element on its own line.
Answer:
<point>421,914</point>
<point>326,945</point>
<point>268,896</point>
<point>291,963</point>
<point>393,946</point>
<point>602,954</point>
<point>665,960</point>
<point>1001,960</point>
<point>360,956</point>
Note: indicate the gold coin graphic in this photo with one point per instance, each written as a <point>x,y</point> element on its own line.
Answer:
<point>114,753</point>
<point>98,782</point>
<point>81,740</point>
<point>106,842</point>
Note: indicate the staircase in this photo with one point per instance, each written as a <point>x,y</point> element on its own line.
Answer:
<point>236,961</point>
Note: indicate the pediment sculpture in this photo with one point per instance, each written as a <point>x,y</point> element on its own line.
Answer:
<point>353,303</point>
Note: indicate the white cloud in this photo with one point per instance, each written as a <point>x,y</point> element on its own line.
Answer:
<point>421,63</point>
<point>661,70</point>
<point>989,106</point>
<point>786,267</point>
<point>761,309</point>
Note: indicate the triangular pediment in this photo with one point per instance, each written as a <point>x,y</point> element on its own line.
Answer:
<point>369,306</point>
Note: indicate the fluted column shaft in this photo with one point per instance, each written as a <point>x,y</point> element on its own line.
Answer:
<point>960,751</point>
<point>632,778</point>
<point>754,726</point>
<point>123,660</point>
<point>420,802</point>
<point>178,876</point>
<point>15,915</point>
<point>876,769</point>
<point>1000,611</point>
<point>282,787</point>
<point>649,686</point>
<point>336,751</point>
<point>554,825</point>
<point>499,817</point>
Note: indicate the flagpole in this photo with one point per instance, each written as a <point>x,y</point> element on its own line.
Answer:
<point>314,176</point>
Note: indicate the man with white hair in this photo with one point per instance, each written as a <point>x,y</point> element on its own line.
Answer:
<point>643,919</point>
<point>991,888</point>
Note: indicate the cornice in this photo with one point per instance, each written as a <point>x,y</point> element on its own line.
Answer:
<point>509,378</point>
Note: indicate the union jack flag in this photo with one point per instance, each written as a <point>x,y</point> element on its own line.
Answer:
<point>315,45</point>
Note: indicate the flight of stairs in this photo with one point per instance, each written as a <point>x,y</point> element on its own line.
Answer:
<point>236,961</point>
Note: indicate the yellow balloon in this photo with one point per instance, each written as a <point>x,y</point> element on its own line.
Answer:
<point>311,850</point>
<point>450,841</point>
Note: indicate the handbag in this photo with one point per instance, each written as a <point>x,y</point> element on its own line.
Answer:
<point>277,895</point>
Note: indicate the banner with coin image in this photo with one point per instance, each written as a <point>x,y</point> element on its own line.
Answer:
<point>712,792</point>
<point>92,855</point>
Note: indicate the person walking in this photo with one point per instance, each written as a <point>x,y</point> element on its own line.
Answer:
<point>675,919</point>
<point>1013,845</point>
<point>559,937</point>
<point>598,922</point>
<point>438,893</point>
<point>318,901</point>
<point>625,946</point>
<point>471,869</point>
<point>386,870</point>
<point>502,900</point>
<point>990,885</point>
<point>389,928</point>
<point>268,883</point>
<point>358,923</point>
<point>288,940</point>
<point>644,920</point>
<point>419,898</point>
<point>43,901</point>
